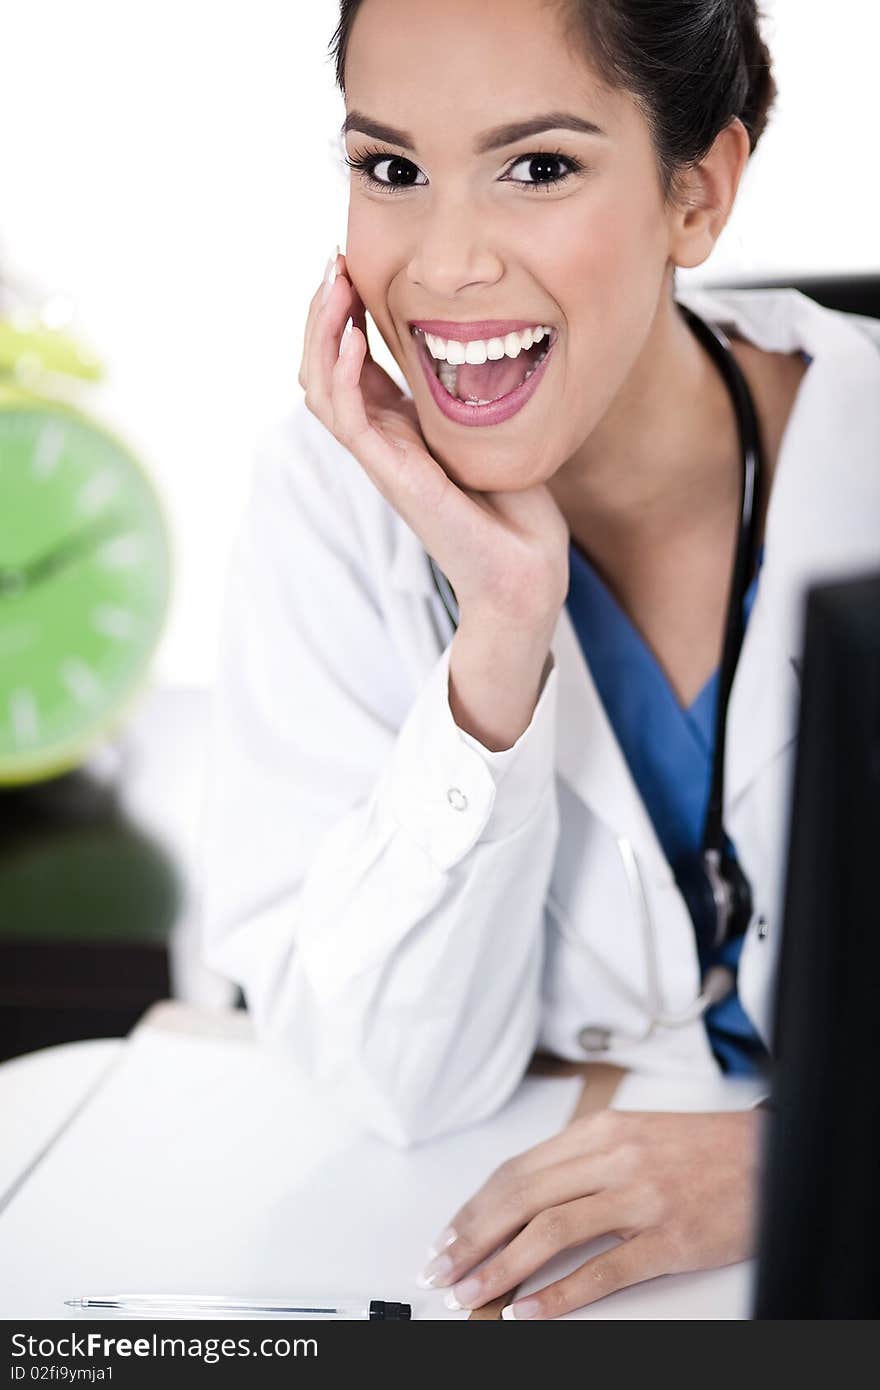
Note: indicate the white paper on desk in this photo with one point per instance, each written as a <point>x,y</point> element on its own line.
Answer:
<point>205,1165</point>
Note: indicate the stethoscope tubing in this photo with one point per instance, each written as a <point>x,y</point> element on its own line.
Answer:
<point>717,344</point>
<point>716,986</point>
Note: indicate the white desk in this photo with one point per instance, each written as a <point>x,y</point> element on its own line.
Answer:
<point>202,1164</point>
<point>39,1093</point>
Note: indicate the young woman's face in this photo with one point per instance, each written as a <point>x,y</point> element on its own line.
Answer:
<point>577,240</point>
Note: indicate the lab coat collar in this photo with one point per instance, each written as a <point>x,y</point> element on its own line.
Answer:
<point>830,449</point>
<point>816,530</point>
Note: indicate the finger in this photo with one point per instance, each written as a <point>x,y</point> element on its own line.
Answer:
<point>475,1229</point>
<point>513,1198</point>
<point>323,352</point>
<point>630,1262</point>
<point>380,388</point>
<point>357,309</point>
<point>553,1229</point>
<point>410,480</point>
<point>315,305</point>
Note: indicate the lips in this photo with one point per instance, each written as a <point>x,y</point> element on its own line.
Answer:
<point>497,411</point>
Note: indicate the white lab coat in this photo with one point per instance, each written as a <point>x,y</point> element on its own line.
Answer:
<point>388,892</point>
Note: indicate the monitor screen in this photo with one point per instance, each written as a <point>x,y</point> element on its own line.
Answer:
<point>819,1251</point>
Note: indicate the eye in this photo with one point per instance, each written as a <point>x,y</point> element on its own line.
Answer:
<point>399,174</point>
<point>541,168</point>
<point>396,179</point>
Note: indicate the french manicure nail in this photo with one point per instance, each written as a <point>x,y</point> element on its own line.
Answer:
<point>526,1308</point>
<point>464,1295</point>
<point>329,276</point>
<point>443,1242</point>
<point>436,1272</point>
<point>508,1314</point>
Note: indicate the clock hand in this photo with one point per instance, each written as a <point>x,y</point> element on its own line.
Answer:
<point>16,578</point>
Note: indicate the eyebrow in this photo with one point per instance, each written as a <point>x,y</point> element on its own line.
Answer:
<point>494,139</point>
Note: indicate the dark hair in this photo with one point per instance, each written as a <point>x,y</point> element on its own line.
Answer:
<point>692,65</point>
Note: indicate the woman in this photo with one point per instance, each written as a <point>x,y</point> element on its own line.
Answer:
<point>432,849</point>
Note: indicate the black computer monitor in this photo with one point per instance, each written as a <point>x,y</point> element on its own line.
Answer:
<point>819,1245</point>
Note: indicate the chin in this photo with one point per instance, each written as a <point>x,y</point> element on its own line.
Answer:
<point>485,467</point>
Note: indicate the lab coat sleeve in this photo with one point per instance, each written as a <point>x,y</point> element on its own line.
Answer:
<point>375,882</point>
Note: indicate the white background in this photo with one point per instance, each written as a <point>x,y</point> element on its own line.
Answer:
<point>170,167</point>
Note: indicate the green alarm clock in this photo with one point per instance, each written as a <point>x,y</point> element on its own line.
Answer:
<point>84,571</point>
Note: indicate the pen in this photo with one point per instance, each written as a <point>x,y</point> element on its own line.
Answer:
<point>168,1305</point>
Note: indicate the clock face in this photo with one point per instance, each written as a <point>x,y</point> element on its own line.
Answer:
<point>84,577</point>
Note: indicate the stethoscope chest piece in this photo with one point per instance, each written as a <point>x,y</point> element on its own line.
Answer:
<point>717,895</point>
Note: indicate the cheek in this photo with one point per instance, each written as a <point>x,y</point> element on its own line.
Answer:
<point>611,268</point>
<point>369,258</point>
<point>607,281</point>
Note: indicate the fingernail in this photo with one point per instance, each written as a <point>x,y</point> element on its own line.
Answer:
<point>443,1242</point>
<point>527,1308</point>
<point>345,339</point>
<point>329,275</point>
<point>464,1295</point>
<point>437,1272</point>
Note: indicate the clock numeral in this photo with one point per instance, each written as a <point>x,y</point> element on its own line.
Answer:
<point>97,492</point>
<point>122,552</point>
<point>24,716</point>
<point>50,442</point>
<point>81,681</point>
<point>113,622</point>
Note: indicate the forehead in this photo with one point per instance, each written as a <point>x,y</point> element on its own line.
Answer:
<point>447,66</point>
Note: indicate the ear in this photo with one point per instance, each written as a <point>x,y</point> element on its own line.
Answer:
<point>705,196</point>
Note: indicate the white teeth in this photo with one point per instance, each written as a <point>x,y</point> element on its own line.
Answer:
<point>475,352</point>
<point>492,349</point>
<point>513,344</point>
<point>455,352</point>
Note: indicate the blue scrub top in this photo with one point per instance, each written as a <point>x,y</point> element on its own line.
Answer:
<point>669,750</point>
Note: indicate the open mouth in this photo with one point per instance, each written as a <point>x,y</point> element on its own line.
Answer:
<point>487,391</point>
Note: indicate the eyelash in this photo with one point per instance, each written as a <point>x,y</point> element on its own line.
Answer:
<point>363,162</point>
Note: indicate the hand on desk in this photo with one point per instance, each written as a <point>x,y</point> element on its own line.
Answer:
<point>677,1189</point>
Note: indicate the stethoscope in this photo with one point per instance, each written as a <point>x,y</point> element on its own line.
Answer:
<point>715,889</point>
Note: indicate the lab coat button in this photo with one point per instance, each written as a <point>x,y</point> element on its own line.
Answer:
<point>595,1038</point>
<point>457,798</point>
<point>762,929</point>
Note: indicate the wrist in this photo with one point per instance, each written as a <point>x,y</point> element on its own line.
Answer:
<point>495,681</point>
<point>518,643</point>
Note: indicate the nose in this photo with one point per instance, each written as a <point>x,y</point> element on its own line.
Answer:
<point>452,252</point>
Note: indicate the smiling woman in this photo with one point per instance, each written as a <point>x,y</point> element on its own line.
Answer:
<point>466,825</point>
<point>569,213</point>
